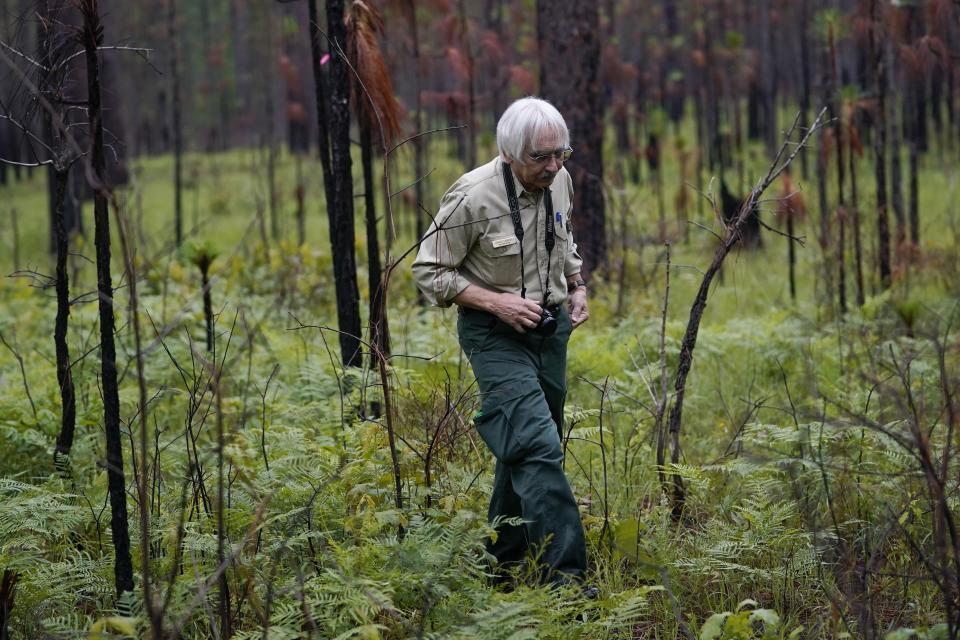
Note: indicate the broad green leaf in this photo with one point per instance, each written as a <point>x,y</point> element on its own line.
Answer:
<point>769,618</point>
<point>112,625</point>
<point>712,629</point>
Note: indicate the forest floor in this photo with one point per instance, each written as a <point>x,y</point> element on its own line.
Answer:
<point>806,512</point>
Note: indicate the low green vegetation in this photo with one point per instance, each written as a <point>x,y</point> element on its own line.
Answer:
<point>807,513</point>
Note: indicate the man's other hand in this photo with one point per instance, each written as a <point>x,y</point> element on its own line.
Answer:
<point>578,306</point>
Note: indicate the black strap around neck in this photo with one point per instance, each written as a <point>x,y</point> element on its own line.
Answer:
<point>512,201</point>
<point>548,240</point>
<point>515,216</point>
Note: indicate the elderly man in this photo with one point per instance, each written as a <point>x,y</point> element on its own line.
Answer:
<point>501,248</point>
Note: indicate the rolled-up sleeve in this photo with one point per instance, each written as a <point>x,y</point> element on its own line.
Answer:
<point>443,249</point>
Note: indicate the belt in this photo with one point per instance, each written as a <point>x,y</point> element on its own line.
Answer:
<point>554,309</point>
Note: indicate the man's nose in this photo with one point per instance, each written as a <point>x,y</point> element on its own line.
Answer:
<point>553,164</point>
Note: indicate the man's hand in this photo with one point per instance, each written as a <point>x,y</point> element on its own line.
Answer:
<point>577,302</point>
<point>520,313</point>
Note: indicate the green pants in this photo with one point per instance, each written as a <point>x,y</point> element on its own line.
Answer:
<point>522,379</point>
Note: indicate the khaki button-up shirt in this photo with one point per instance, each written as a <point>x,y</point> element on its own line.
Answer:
<point>472,240</point>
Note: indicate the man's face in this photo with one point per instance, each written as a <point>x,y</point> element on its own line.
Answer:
<point>539,174</point>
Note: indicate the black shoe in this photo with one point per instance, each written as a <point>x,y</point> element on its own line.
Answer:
<point>590,592</point>
<point>587,591</point>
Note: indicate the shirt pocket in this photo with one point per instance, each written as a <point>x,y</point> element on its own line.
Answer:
<point>560,233</point>
<point>502,258</point>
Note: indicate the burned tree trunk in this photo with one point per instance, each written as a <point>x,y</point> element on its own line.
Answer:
<point>177,124</point>
<point>792,208</point>
<point>470,150</point>
<point>838,143</point>
<point>855,214</point>
<point>822,202</point>
<point>896,179</point>
<point>320,91</point>
<point>65,216</point>
<point>379,333</point>
<point>64,376</point>
<point>339,185</point>
<point>420,142</point>
<point>378,117</point>
<point>894,78</point>
<point>569,46</point>
<point>877,47</point>
<point>56,87</point>
<point>805,77</point>
<point>768,80</point>
<point>333,114</point>
<point>116,482</point>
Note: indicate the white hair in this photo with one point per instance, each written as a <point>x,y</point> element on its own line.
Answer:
<point>524,120</point>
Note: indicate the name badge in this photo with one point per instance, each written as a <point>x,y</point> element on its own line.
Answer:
<point>503,242</point>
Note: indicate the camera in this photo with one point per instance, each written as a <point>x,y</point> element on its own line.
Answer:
<point>547,326</point>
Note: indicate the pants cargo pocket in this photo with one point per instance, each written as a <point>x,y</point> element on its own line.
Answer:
<point>515,422</point>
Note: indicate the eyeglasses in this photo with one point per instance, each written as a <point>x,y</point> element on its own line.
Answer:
<point>560,155</point>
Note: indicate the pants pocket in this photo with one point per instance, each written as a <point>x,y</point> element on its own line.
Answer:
<point>515,422</point>
<point>473,330</point>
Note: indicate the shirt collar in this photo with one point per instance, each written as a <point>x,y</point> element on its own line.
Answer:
<point>521,190</point>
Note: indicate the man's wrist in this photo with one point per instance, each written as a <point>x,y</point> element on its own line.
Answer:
<point>573,285</point>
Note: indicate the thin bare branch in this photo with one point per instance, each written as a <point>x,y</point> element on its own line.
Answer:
<point>21,54</point>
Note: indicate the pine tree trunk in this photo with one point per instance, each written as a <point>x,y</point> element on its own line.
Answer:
<point>420,142</point>
<point>50,57</point>
<point>857,237</point>
<point>270,139</point>
<point>805,78</point>
<point>768,80</point>
<point>208,76</point>
<point>569,46</point>
<point>410,9</point>
<point>58,181</point>
<point>208,308</point>
<point>339,184</point>
<point>914,196</point>
<point>64,376</point>
<point>300,194</point>
<point>239,27</point>
<point>951,108</point>
<point>822,200</point>
<point>379,335</point>
<point>877,48</point>
<point>470,157</point>
<point>320,89</point>
<point>791,258</point>
<point>896,182</point>
<point>333,129</point>
<point>838,144</point>
<point>116,482</point>
<point>176,112</point>
<point>915,121</point>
